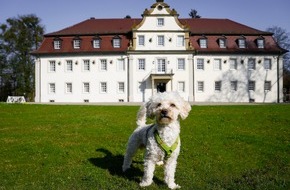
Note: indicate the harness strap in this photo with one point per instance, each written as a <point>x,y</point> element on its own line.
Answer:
<point>166,149</point>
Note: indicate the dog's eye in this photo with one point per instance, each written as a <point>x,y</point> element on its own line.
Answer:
<point>172,105</point>
<point>158,105</point>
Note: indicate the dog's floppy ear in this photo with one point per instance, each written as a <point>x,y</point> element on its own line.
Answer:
<point>144,112</point>
<point>185,109</point>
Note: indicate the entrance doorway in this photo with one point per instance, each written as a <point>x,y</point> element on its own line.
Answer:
<point>161,87</point>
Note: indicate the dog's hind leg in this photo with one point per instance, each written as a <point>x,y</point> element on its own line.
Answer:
<point>132,147</point>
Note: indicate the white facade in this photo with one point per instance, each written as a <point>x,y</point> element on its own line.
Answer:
<point>160,58</point>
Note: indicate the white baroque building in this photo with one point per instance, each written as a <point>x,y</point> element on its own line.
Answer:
<point>128,60</point>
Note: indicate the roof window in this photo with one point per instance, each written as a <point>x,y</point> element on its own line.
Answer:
<point>116,41</point>
<point>77,42</point>
<point>97,41</point>
<point>260,42</point>
<point>57,43</point>
<point>222,42</point>
<point>203,42</point>
<point>242,42</point>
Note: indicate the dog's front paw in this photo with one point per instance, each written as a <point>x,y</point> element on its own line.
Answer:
<point>174,186</point>
<point>145,183</point>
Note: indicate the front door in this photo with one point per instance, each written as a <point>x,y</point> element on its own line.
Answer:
<point>161,87</point>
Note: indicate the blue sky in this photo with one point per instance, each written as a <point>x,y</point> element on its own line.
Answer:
<point>59,14</point>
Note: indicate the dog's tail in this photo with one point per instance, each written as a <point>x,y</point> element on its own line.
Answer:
<point>141,116</point>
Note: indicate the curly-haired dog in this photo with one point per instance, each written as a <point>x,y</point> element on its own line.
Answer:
<point>160,139</point>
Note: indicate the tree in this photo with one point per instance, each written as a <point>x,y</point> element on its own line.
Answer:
<point>193,14</point>
<point>18,37</point>
<point>281,36</point>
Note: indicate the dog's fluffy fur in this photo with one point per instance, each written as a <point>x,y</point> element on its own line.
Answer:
<point>166,108</point>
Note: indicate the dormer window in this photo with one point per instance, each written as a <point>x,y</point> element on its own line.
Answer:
<point>116,42</point>
<point>160,21</point>
<point>57,43</point>
<point>222,42</point>
<point>203,42</point>
<point>261,42</point>
<point>97,42</point>
<point>77,43</point>
<point>242,42</point>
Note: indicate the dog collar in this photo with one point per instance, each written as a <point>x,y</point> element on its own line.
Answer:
<point>166,149</point>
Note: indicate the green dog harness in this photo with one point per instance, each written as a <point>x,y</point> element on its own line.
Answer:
<point>166,149</point>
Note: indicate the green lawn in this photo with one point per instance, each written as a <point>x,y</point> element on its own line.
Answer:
<point>82,147</point>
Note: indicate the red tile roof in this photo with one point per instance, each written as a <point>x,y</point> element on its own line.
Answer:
<point>120,26</point>
<point>98,26</point>
<point>108,28</point>
<point>219,26</point>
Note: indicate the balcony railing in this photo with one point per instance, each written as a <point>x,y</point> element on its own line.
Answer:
<point>164,72</point>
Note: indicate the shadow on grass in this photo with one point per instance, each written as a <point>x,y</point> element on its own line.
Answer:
<point>113,163</point>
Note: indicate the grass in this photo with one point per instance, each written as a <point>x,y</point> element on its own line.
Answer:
<point>82,147</point>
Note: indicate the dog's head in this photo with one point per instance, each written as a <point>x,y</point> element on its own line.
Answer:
<point>165,107</point>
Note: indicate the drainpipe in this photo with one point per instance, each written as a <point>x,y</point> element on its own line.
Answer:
<point>128,78</point>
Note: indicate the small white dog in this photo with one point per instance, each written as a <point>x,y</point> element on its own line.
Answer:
<point>160,139</point>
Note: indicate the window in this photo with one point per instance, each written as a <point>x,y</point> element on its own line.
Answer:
<point>51,88</point>
<point>69,65</point>
<point>222,43</point>
<point>261,42</point>
<point>103,65</point>
<point>104,87</point>
<point>160,21</point>
<point>97,43</point>
<point>252,85</point>
<point>86,65</point>
<point>180,41</point>
<point>160,40</point>
<point>57,44</point>
<point>200,64</point>
<point>252,64</point>
<point>141,40</point>
<point>181,64</point>
<point>217,64</point>
<point>141,64</point>
<point>217,85</point>
<point>267,64</point>
<point>86,87</point>
<point>161,66</point>
<point>121,65</point>
<point>77,43</point>
<point>234,85</point>
<point>181,86</point>
<point>116,42</point>
<point>200,86</point>
<point>68,87</point>
<point>233,64</point>
<point>121,87</point>
<point>52,66</point>
<point>242,43</point>
<point>203,43</point>
<point>267,86</point>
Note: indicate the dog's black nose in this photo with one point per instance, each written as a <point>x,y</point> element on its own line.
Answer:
<point>164,112</point>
